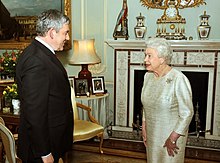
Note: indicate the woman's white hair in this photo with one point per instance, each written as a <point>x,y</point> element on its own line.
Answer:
<point>162,46</point>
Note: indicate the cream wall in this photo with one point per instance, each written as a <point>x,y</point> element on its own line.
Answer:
<point>97,18</point>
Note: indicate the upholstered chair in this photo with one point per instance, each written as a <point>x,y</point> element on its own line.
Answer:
<point>83,129</point>
<point>9,144</point>
<point>3,122</point>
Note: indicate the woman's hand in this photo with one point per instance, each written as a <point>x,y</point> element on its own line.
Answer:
<point>170,143</point>
<point>144,133</point>
<point>171,147</point>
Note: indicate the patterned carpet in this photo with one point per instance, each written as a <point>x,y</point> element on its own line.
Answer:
<point>91,157</point>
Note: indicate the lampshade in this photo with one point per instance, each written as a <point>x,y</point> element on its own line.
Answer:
<point>84,52</point>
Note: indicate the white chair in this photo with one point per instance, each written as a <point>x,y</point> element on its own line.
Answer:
<point>9,144</point>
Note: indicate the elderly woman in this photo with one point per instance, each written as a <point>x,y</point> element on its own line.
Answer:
<point>167,105</point>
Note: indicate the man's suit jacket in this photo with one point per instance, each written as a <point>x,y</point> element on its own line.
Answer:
<point>46,119</point>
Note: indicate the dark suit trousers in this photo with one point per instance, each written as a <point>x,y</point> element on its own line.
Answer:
<point>31,159</point>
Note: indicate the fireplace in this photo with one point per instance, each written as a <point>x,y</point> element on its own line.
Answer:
<point>198,60</point>
<point>200,98</point>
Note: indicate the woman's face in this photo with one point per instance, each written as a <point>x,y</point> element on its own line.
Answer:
<point>152,60</point>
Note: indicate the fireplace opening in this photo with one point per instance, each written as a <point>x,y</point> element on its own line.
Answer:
<point>199,84</point>
<point>138,84</point>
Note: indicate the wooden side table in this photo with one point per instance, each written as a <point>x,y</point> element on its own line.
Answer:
<point>11,121</point>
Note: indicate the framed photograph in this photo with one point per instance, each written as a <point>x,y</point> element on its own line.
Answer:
<point>81,86</point>
<point>18,21</point>
<point>98,85</point>
<point>71,80</point>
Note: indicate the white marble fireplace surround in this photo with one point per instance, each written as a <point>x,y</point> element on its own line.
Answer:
<point>193,55</point>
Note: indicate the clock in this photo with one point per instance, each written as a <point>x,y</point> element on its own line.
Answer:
<point>171,25</point>
<point>171,12</point>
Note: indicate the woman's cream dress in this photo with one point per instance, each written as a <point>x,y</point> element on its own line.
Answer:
<point>167,107</point>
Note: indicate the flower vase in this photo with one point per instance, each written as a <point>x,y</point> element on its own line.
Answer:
<point>7,105</point>
<point>7,102</point>
<point>16,106</point>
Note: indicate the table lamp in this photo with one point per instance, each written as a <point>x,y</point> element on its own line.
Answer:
<point>84,54</point>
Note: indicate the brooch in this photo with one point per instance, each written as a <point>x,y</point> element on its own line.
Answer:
<point>168,81</point>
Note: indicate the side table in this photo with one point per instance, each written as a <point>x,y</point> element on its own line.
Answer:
<point>11,121</point>
<point>99,105</point>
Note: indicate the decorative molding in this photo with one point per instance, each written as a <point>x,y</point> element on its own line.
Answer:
<point>137,57</point>
<point>82,19</point>
<point>101,67</point>
<point>121,101</point>
<point>201,58</point>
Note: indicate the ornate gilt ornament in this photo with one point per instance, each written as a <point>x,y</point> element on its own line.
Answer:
<point>171,25</point>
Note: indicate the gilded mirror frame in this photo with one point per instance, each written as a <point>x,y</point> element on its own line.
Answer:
<point>162,4</point>
<point>10,44</point>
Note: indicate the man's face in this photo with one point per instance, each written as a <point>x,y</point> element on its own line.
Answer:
<point>61,37</point>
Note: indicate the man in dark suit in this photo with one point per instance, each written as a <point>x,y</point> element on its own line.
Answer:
<point>46,119</point>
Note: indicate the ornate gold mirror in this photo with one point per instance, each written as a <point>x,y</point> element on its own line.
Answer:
<point>10,39</point>
<point>163,4</point>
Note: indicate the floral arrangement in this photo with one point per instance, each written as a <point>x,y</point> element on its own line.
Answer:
<point>8,62</point>
<point>10,92</point>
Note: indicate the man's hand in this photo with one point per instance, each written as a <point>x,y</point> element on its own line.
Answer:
<point>48,159</point>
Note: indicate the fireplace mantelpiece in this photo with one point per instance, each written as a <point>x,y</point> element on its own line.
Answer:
<point>177,44</point>
<point>193,55</point>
